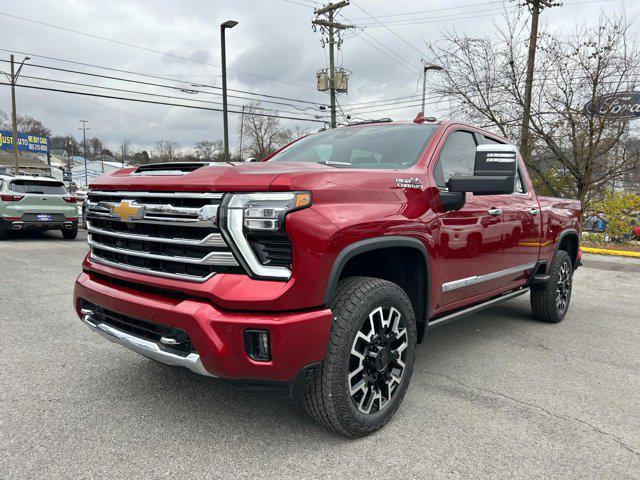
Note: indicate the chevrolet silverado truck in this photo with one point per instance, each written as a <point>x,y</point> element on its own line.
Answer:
<point>320,268</point>
<point>36,203</point>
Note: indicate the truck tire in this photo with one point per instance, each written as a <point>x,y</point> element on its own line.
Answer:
<point>70,234</point>
<point>369,360</point>
<point>550,301</point>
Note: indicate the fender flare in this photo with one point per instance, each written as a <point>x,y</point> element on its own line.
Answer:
<point>368,245</point>
<point>563,235</point>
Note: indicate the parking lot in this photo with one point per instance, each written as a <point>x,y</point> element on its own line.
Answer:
<point>496,395</point>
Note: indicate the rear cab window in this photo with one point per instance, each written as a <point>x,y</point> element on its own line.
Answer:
<point>38,186</point>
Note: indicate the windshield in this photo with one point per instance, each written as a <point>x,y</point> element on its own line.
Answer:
<point>388,146</point>
<point>38,186</point>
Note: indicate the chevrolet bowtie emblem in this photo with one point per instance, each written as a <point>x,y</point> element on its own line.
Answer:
<point>127,210</point>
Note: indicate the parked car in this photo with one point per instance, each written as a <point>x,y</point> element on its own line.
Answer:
<point>36,203</point>
<point>321,268</point>
<point>81,194</point>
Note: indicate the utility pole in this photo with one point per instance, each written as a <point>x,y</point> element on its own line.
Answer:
<point>536,7</point>
<point>84,129</point>
<point>241,131</point>
<point>14,116</point>
<point>424,82</point>
<point>329,11</point>
<point>225,113</point>
<point>70,164</point>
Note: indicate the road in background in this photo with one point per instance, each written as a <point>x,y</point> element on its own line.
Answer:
<point>497,395</point>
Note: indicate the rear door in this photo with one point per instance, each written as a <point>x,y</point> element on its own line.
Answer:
<point>469,240</point>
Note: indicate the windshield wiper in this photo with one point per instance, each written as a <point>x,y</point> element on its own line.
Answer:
<point>335,164</point>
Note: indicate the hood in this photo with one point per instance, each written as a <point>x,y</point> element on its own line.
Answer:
<point>225,177</point>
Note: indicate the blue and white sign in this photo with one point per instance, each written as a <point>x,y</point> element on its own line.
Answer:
<point>620,106</point>
<point>26,142</point>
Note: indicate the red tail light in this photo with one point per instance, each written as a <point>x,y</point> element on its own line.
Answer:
<point>11,198</point>
<point>70,199</point>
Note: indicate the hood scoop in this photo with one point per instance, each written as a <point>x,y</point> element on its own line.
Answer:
<point>170,168</point>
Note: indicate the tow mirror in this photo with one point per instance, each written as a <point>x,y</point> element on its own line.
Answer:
<point>494,171</point>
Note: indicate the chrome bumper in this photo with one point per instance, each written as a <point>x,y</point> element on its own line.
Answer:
<point>146,348</point>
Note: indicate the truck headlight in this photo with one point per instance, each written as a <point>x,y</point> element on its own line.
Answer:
<point>255,222</point>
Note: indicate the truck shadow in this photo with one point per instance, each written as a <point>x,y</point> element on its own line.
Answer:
<point>185,402</point>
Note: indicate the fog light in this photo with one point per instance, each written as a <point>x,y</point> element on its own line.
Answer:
<point>257,344</point>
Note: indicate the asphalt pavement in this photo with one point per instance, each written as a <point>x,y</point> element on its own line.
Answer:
<point>495,395</point>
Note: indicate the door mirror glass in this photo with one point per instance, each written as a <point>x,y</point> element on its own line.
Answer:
<point>496,159</point>
<point>494,173</point>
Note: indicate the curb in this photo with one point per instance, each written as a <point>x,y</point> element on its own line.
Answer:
<point>604,251</point>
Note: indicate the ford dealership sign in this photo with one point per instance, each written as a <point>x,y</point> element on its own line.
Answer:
<point>622,105</point>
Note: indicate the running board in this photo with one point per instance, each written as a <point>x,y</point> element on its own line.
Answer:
<point>438,322</point>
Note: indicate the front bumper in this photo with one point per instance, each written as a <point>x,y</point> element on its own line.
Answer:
<point>298,339</point>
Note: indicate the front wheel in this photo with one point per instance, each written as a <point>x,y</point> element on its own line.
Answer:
<point>369,359</point>
<point>550,301</point>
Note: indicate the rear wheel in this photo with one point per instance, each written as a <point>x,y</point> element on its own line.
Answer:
<point>369,359</point>
<point>4,233</point>
<point>70,234</point>
<point>550,301</point>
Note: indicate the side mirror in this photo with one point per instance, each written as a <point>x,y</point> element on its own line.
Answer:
<point>250,159</point>
<point>495,170</point>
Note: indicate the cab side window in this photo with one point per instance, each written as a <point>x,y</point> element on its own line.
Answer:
<point>457,157</point>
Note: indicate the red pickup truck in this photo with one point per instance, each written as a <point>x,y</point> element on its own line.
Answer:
<point>321,268</point>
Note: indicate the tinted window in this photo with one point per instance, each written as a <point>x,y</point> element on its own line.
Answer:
<point>36,186</point>
<point>457,157</point>
<point>491,140</point>
<point>384,146</point>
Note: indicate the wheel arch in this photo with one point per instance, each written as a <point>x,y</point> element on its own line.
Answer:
<point>354,256</point>
<point>569,241</point>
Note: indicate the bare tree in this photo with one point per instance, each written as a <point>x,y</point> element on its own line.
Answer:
<point>264,135</point>
<point>209,151</point>
<point>125,151</point>
<point>166,151</point>
<point>27,124</point>
<point>94,147</point>
<point>5,124</point>
<point>574,153</point>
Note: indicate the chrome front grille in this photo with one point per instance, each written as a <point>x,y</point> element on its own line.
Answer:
<point>172,235</point>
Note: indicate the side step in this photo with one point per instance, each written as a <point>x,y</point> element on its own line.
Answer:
<point>438,322</point>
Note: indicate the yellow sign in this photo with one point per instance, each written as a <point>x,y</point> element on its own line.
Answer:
<point>126,210</point>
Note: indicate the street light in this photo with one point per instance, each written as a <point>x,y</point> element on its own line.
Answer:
<point>225,120</point>
<point>424,81</point>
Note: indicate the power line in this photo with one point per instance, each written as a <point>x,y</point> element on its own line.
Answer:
<point>137,92</point>
<point>157,77</point>
<point>172,87</point>
<point>387,28</point>
<point>391,54</point>
<point>434,10</point>
<point>120,42</point>
<point>154,102</point>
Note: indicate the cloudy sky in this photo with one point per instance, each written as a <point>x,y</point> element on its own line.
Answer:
<point>273,51</point>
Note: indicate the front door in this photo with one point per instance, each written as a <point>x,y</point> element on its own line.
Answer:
<point>469,240</point>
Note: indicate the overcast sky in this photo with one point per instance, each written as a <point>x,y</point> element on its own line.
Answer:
<point>273,50</point>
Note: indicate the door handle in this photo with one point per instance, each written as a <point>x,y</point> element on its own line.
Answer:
<point>534,211</point>
<point>494,212</point>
